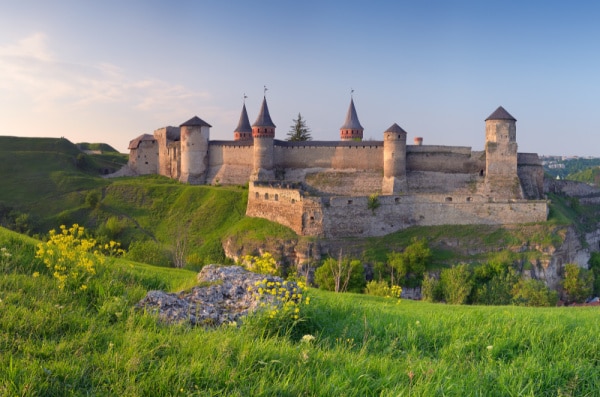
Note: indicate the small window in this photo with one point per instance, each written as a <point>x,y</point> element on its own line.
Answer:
<point>469,199</point>
<point>276,197</point>
<point>266,196</point>
<point>397,200</point>
<point>312,218</point>
<point>448,199</point>
<point>349,202</point>
<point>257,195</point>
<point>293,201</point>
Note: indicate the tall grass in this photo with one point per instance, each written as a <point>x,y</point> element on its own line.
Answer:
<point>56,344</point>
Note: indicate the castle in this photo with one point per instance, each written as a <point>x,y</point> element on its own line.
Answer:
<point>351,187</point>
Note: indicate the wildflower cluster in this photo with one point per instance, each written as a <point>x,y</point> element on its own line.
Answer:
<point>264,264</point>
<point>282,303</point>
<point>70,256</point>
<point>381,288</point>
<point>112,248</point>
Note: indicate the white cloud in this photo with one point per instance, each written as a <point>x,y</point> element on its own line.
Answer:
<point>29,68</point>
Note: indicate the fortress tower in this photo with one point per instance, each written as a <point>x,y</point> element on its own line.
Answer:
<point>394,160</point>
<point>501,178</point>
<point>263,132</point>
<point>351,130</point>
<point>195,134</point>
<point>243,131</point>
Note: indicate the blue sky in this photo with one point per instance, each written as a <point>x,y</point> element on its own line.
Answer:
<point>108,71</point>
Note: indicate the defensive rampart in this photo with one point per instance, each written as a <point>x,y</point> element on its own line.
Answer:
<point>333,217</point>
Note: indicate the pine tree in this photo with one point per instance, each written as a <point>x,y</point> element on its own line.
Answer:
<point>299,131</point>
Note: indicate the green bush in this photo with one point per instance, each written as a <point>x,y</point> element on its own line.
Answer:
<point>456,284</point>
<point>410,265</point>
<point>431,289</point>
<point>494,281</point>
<point>577,283</point>
<point>533,292</point>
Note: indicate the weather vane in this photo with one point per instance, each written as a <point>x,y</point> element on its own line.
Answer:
<point>351,91</point>
<point>245,97</point>
<point>266,89</point>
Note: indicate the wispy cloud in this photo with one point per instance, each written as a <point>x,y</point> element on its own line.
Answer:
<point>30,68</point>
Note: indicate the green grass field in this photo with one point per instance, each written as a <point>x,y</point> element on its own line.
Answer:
<point>54,343</point>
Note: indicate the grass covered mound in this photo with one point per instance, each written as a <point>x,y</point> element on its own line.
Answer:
<point>93,342</point>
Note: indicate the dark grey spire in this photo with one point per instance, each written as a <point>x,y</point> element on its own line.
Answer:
<point>244,123</point>
<point>396,129</point>
<point>351,122</point>
<point>195,122</point>
<point>500,114</point>
<point>264,118</point>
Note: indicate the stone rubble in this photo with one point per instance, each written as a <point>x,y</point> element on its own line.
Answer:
<point>226,294</point>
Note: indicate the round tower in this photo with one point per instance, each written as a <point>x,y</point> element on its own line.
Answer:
<point>502,180</point>
<point>263,132</point>
<point>394,160</point>
<point>243,131</point>
<point>195,134</point>
<point>351,130</point>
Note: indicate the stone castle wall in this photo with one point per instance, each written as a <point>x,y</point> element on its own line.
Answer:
<point>144,159</point>
<point>333,217</point>
<point>229,163</point>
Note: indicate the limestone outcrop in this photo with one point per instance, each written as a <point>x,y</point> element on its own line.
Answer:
<point>225,295</point>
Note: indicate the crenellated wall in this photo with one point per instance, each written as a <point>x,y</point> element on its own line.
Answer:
<point>367,155</point>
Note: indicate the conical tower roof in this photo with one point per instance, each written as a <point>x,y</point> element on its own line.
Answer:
<point>195,122</point>
<point>264,118</point>
<point>244,123</point>
<point>500,114</point>
<point>351,122</point>
<point>396,129</point>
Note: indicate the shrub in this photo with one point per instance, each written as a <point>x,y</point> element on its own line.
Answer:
<point>456,284</point>
<point>431,289</point>
<point>577,283</point>
<point>494,281</point>
<point>373,202</point>
<point>411,264</point>
<point>532,292</point>
<point>92,199</point>
<point>71,257</point>
<point>381,288</point>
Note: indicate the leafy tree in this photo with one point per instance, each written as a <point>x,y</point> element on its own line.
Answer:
<point>341,275</point>
<point>594,266</point>
<point>299,131</point>
<point>410,265</point>
<point>577,283</point>
<point>456,284</point>
<point>494,282</point>
<point>533,292</point>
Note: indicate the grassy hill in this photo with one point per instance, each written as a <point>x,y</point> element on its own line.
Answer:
<point>94,342</point>
<point>48,182</point>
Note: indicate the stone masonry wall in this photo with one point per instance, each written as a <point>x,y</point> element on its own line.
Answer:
<point>333,217</point>
<point>144,159</point>
<point>229,164</point>
<point>349,155</point>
